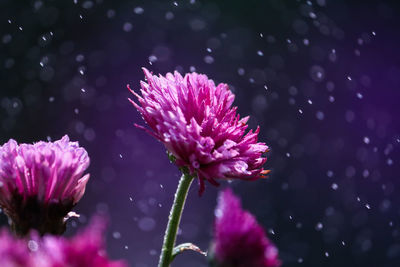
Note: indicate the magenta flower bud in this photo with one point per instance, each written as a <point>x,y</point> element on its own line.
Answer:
<point>239,241</point>
<point>196,122</point>
<point>14,252</point>
<point>84,249</point>
<point>40,183</point>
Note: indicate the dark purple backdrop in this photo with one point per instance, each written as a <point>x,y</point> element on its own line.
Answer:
<point>320,77</point>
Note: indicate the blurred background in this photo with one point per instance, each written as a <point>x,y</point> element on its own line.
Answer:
<point>320,77</point>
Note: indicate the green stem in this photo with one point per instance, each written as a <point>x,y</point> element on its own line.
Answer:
<point>174,220</point>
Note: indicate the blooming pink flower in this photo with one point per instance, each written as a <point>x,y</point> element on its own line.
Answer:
<point>239,241</point>
<point>40,183</point>
<point>85,249</point>
<point>198,125</point>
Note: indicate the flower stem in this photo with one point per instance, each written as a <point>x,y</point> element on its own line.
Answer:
<point>174,219</point>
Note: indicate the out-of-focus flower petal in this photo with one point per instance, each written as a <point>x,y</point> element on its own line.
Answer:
<point>239,241</point>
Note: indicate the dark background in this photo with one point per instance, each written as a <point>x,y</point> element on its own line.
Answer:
<point>320,77</point>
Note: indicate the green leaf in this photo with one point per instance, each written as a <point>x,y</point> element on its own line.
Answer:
<point>187,246</point>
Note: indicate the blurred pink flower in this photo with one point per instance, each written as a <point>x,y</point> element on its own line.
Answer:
<point>14,252</point>
<point>198,125</point>
<point>40,183</point>
<point>239,241</point>
<point>85,249</point>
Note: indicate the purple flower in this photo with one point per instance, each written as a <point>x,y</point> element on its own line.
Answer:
<point>198,125</point>
<point>40,183</point>
<point>239,241</point>
<point>14,252</point>
<point>85,249</point>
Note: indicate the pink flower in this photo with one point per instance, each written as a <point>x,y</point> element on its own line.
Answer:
<point>14,252</point>
<point>196,122</point>
<point>85,249</point>
<point>239,241</point>
<point>40,183</point>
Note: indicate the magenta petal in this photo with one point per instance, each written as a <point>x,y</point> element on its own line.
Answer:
<point>239,241</point>
<point>195,120</point>
<point>40,183</point>
<point>87,248</point>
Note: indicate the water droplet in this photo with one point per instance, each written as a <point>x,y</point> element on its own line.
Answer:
<point>319,226</point>
<point>116,235</point>
<point>312,15</point>
<point>152,58</point>
<point>138,10</point>
<point>146,224</point>
<point>169,15</point>
<point>127,27</point>
<point>79,58</point>
<point>241,71</point>
<point>33,245</point>
<point>320,115</point>
<point>317,73</point>
<point>271,231</point>
<point>334,186</point>
<point>208,59</point>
